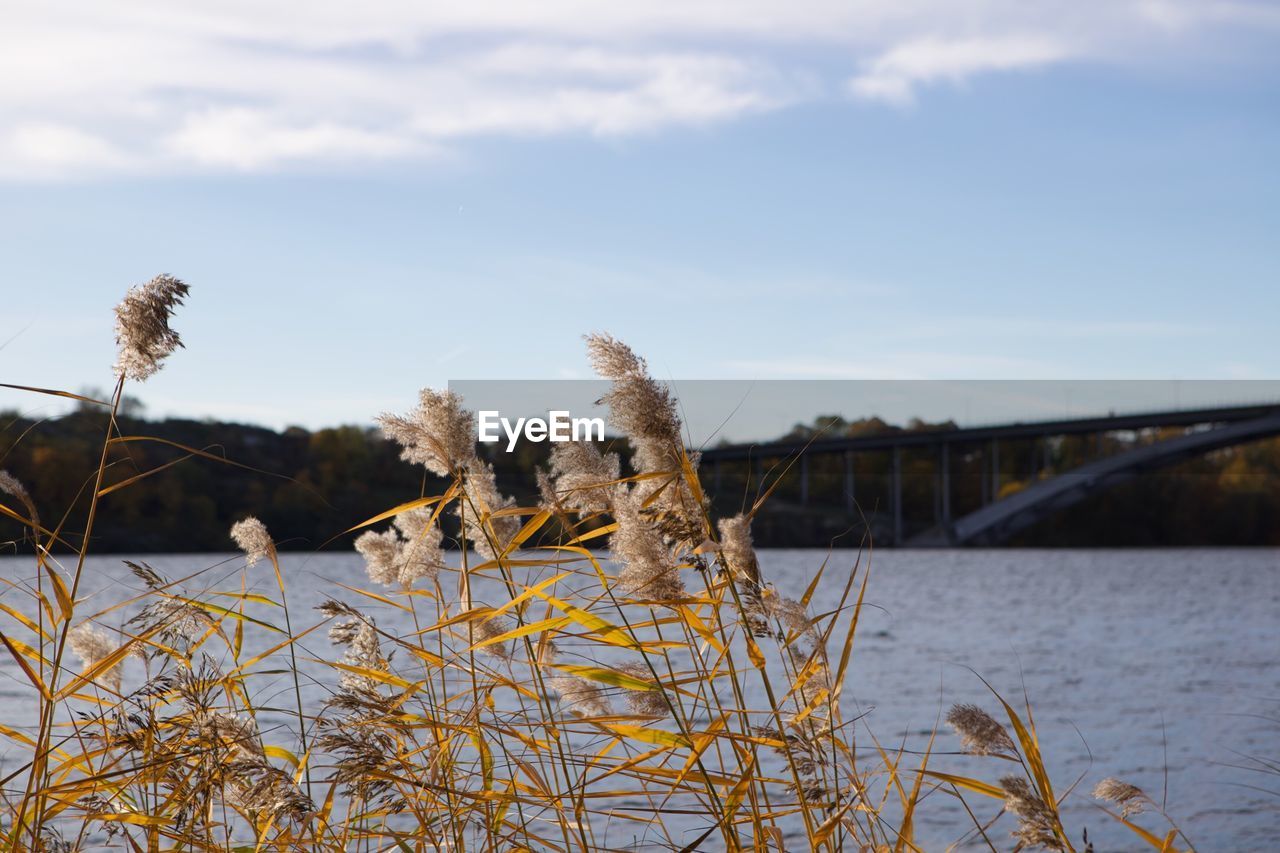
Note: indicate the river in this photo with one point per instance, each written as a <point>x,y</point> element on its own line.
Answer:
<point>1159,667</point>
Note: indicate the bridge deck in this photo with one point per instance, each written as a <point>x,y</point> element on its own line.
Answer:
<point>1008,515</point>
<point>1030,429</point>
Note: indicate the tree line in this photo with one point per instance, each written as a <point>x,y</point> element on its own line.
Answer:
<point>178,485</point>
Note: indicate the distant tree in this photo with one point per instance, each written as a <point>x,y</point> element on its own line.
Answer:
<point>132,407</point>
<point>93,392</point>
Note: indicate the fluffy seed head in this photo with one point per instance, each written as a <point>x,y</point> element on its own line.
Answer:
<point>381,552</point>
<point>1130,798</point>
<point>331,608</point>
<point>238,733</point>
<point>979,732</point>
<point>10,485</point>
<point>806,755</point>
<point>488,534</point>
<point>739,553</point>
<point>420,554</point>
<point>438,434</point>
<point>410,550</point>
<point>252,537</point>
<point>646,413</point>
<point>612,359</point>
<point>581,697</point>
<point>13,487</point>
<point>255,786</point>
<point>344,632</point>
<point>641,408</point>
<point>812,688</point>
<point>648,569</point>
<point>789,612</point>
<point>488,629</point>
<point>580,477</point>
<point>143,334</point>
<point>648,703</point>
<point>176,623</point>
<point>92,646</point>
<point>795,622</point>
<point>1037,823</point>
<point>363,651</point>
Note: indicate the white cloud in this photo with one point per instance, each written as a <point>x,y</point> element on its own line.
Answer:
<point>253,139</point>
<point>152,87</point>
<point>51,149</point>
<point>536,90</point>
<point>894,75</point>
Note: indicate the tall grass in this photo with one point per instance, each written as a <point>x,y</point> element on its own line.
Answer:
<point>635,681</point>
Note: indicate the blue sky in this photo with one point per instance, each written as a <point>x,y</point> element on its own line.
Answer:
<point>364,206</point>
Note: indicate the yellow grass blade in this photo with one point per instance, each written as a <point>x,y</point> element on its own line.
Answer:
<point>604,530</point>
<point>13,646</point>
<point>846,651</point>
<point>381,599</point>
<point>739,790</point>
<point>226,613</point>
<point>604,629</point>
<point>659,737</point>
<point>530,527</point>
<point>55,393</point>
<point>90,675</point>
<point>906,832</point>
<point>60,591</point>
<point>975,785</point>
<point>1151,839</point>
<point>115,487</point>
<point>824,831</point>
<point>373,674</point>
<point>281,753</point>
<point>694,621</point>
<point>25,620</point>
<point>133,818</point>
<point>394,511</point>
<point>606,676</point>
<point>552,624</point>
<point>530,592</point>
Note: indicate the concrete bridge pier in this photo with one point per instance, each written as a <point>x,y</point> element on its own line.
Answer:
<point>896,489</point>
<point>995,471</point>
<point>804,480</point>
<point>850,500</point>
<point>944,483</point>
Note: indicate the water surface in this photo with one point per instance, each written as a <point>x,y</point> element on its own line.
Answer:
<point>1158,667</point>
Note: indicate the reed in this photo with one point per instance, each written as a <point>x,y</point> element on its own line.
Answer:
<point>634,682</point>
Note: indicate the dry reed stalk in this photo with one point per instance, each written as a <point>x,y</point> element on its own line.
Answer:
<point>531,709</point>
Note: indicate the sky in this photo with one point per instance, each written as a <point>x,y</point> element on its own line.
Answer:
<point>372,198</point>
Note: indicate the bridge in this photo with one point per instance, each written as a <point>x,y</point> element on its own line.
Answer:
<point>1004,506</point>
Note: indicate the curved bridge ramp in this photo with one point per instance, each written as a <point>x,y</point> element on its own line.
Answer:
<point>997,521</point>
